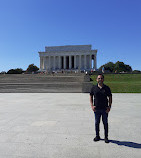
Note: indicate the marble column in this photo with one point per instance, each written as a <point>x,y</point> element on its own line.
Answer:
<point>74,61</point>
<point>45,63</point>
<point>54,63</point>
<point>69,61</point>
<point>80,62</point>
<point>95,64</point>
<point>59,62</point>
<point>49,63</point>
<point>64,62</point>
<point>85,62</point>
<point>90,62</point>
<point>41,63</point>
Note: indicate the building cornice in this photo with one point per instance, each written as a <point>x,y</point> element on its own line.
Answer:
<point>66,53</point>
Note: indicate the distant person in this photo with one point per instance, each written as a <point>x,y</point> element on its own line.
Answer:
<point>103,69</point>
<point>115,71</point>
<point>101,101</point>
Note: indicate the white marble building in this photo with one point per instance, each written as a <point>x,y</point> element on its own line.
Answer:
<point>72,57</point>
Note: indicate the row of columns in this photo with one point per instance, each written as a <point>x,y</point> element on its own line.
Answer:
<point>46,63</point>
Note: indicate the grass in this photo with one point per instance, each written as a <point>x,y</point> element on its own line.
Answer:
<point>122,83</point>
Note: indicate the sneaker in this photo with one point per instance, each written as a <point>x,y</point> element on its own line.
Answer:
<point>106,140</point>
<point>97,138</point>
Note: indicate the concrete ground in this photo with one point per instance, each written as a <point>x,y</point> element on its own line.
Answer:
<point>55,125</point>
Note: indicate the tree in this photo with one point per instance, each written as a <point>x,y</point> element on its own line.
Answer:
<point>3,72</point>
<point>108,66</point>
<point>117,67</point>
<point>128,68</point>
<point>15,71</point>
<point>136,71</point>
<point>32,68</point>
<point>121,67</point>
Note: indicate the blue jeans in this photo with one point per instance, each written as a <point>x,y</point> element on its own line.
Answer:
<point>98,115</point>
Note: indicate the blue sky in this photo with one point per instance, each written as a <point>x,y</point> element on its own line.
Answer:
<point>111,26</point>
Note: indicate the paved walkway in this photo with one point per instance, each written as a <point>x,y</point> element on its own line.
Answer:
<point>45,125</point>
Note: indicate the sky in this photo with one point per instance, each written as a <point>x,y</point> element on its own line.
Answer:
<point>113,27</point>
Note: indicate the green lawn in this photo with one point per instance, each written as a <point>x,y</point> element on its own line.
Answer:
<point>122,83</point>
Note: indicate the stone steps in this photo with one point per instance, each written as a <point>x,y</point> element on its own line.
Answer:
<point>35,83</point>
<point>39,78</point>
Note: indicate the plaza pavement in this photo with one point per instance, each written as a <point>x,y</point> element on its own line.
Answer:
<point>55,125</point>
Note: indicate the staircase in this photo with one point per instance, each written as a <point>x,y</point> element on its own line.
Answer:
<point>44,83</point>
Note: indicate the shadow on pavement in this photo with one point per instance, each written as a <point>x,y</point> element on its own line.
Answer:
<point>124,143</point>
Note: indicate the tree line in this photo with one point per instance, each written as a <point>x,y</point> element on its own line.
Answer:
<point>31,68</point>
<point>109,67</point>
<point>115,67</point>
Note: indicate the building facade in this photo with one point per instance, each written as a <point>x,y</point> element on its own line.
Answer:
<point>73,57</point>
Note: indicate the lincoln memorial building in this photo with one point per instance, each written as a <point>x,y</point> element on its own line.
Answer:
<point>72,57</point>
